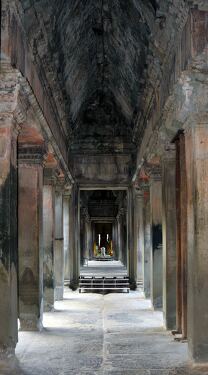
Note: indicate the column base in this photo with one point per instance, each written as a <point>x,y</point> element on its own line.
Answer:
<point>147,294</point>
<point>30,323</point>
<point>199,355</point>
<point>48,307</point>
<point>170,323</point>
<point>6,352</point>
<point>157,303</point>
<point>48,299</point>
<point>132,284</point>
<point>200,365</point>
<point>74,284</point>
<point>59,293</point>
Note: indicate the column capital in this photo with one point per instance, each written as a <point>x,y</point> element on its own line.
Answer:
<point>169,152</point>
<point>121,213</point>
<point>67,191</point>
<point>138,193</point>
<point>154,171</point>
<point>31,154</point>
<point>144,186</point>
<point>84,211</point>
<point>50,176</point>
<point>61,185</point>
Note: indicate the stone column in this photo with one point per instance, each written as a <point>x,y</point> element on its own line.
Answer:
<point>178,238</point>
<point>156,288</point>
<point>169,237</point>
<point>147,244</point>
<point>114,239</point>
<point>88,244</point>
<point>66,235</point>
<point>181,248</point>
<point>93,237</point>
<point>8,212</point>
<point>132,248</point>
<point>139,233</point>
<point>89,238</point>
<point>183,235</point>
<point>48,238</point>
<point>119,237</point>
<point>59,244</point>
<point>30,239</point>
<point>124,236</point>
<point>83,234</point>
<point>196,145</point>
<point>86,250</point>
<point>74,236</point>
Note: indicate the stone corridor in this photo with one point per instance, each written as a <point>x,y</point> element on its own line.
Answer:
<point>103,157</point>
<point>88,334</point>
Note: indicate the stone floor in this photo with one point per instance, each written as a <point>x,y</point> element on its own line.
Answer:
<point>104,268</point>
<point>114,334</point>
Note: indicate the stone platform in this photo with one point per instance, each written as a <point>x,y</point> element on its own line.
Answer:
<point>101,268</point>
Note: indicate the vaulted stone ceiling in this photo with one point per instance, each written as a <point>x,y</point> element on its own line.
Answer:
<point>102,55</point>
<point>109,56</point>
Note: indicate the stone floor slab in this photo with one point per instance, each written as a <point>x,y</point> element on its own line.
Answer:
<point>93,334</point>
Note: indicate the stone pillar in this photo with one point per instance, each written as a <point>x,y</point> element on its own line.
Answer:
<point>183,236</point>
<point>139,232</point>
<point>115,239</point>
<point>178,239</point>
<point>66,236</point>
<point>119,238</point>
<point>169,238</point>
<point>30,239</point>
<point>125,238</point>
<point>88,244</point>
<point>156,288</point>
<point>181,248</point>
<point>59,245</point>
<point>86,251</point>
<point>48,238</point>
<point>196,145</point>
<point>8,212</point>
<point>83,235</point>
<point>147,244</point>
<point>89,238</point>
<point>93,237</point>
<point>74,236</point>
<point>132,248</point>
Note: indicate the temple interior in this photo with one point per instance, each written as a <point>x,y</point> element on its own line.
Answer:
<point>104,187</point>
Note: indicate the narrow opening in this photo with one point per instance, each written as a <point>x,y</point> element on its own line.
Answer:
<point>103,233</point>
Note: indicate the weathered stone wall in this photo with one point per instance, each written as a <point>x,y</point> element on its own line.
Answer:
<point>19,47</point>
<point>103,170</point>
<point>188,95</point>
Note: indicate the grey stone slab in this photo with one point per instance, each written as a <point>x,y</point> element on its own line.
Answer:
<point>147,361</point>
<point>151,343</point>
<point>180,371</point>
<point>124,372</point>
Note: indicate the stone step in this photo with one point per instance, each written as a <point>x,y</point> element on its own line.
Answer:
<point>93,283</point>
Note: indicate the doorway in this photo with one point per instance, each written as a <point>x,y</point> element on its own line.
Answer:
<point>103,231</point>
